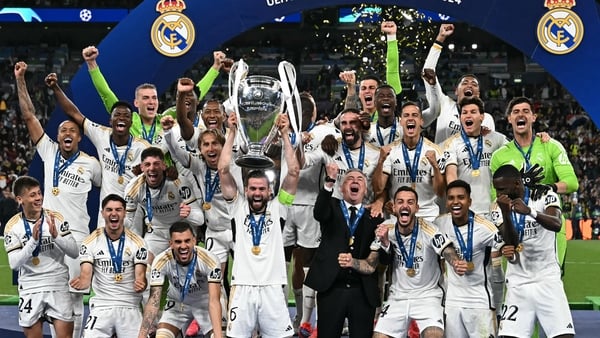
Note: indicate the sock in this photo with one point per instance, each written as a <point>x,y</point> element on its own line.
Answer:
<point>497,280</point>
<point>77,300</point>
<point>308,303</point>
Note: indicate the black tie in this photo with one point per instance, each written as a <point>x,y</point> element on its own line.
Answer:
<point>352,214</point>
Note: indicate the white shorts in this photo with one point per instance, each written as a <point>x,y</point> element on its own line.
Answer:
<point>396,315</point>
<point>52,304</point>
<point>301,228</point>
<point>545,301</point>
<point>104,322</point>
<point>219,243</point>
<point>156,242</point>
<point>180,315</point>
<point>262,307</point>
<point>468,322</point>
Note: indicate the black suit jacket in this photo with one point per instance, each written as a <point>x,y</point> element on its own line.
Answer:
<point>335,237</point>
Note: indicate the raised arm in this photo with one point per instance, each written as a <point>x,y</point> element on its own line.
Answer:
<point>108,97</point>
<point>63,101</point>
<point>27,109</point>
<point>228,185</point>
<point>184,87</point>
<point>392,64</point>
<point>290,181</point>
<point>220,61</point>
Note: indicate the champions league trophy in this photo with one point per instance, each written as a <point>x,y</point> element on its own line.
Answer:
<point>256,101</point>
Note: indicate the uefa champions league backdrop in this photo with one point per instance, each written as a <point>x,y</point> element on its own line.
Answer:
<point>159,40</point>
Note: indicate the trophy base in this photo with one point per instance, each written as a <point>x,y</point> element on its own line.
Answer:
<point>254,162</point>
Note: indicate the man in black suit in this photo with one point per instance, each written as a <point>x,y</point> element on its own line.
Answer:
<point>343,269</point>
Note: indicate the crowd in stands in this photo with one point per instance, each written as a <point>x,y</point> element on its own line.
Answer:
<point>558,113</point>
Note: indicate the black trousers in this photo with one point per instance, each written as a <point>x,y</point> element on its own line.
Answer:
<point>342,302</point>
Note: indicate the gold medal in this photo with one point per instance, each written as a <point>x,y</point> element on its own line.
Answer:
<point>256,249</point>
<point>475,173</point>
<point>121,180</point>
<point>411,272</point>
<point>520,247</point>
<point>118,277</point>
<point>55,191</point>
<point>35,260</point>
<point>206,206</point>
<point>470,266</point>
<point>351,241</point>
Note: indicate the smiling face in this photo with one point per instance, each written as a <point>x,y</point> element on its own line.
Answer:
<point>146,101</point>
<point>153,168</point>
<point>182,244</point>
<point>210,148</point>
<point>471,119</point>
<point>467,87</point>
<point>521,118</point>
<point>354,187</point>
<point>31,199</point>
<point>120,120</point>
<point>385,101</point>
<point>366,93</point>
<point>411,121</point>
<point>351,129</point>
<point>212,115</point>
<point>114,216</point>
<point>68,137</point>
<point>458,202</point>
<point>258,193</point>
<point>405,208</point>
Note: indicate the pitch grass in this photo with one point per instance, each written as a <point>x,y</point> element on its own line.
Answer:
<point>580,280</point>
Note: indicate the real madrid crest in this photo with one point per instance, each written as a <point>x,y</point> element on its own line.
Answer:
<point>172,33</point>
<point>560,30</point>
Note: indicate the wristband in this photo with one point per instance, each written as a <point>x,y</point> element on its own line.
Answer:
<point>391,37</point>
<point>329,179</point>
<point>533,213</point>
<point>440,43</point>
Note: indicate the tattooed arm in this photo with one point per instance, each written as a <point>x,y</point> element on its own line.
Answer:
<point>150,311</point>
<point>450,256</point>
<point>364,266</point>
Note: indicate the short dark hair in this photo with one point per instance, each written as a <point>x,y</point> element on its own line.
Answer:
<point>406,188</point>
<point>472,100</point>
<point>24,182</point>
<point>221,108</point>
<point>385,86</point>
<point>459,184</point>
<point>257,173</point>
<point>460,79</point>
<point>371,77</point>
<point>152,152</point>
<point>113,197</point>
<point>180,227</point>
<point>122,103</point>
<point>515,101</point>
<point>507,171</point>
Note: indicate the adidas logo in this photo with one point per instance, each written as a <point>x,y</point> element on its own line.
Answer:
<point>570,326</point>
<point>289,328</point>
<point>339,158</point>
<point>100,253</point>
<point>397,161</point>
<point>107,150</point>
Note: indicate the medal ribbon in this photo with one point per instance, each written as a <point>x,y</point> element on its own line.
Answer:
<point>120,160</point>
<point>414,168</point>
<point>36,251</point>
<point>59,169</point>
<point>408,257</point>
<point>527,155</point>
<point>149,136</point>
<point>188,276</point>
<point>351,225</point>
<point>149,210</point>
<point>210,185</point>
<point>361,156</point>
<point>475,157</point>
<point>467,250</point>
<point>116,257</point>
<point>256,228</point>
<point>391,137</point>
<point>519,222</point>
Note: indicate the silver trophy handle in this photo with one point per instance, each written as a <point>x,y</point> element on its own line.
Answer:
<point>237,74</point>
<point>287,75</point>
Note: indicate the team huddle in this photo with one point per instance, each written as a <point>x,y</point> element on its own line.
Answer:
<point>388,232</point>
